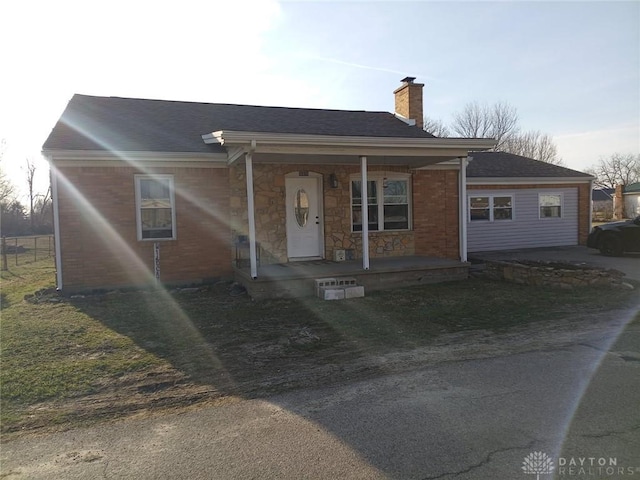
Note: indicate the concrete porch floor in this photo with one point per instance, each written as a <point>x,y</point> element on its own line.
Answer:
<point>296,279</point>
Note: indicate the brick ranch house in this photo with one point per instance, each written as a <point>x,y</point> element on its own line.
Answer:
<point>184,192</point>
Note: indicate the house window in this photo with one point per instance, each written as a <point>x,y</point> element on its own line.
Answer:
<point>479,208</point>
<point>155,207</point>
<point>356,204</point>
<point>502,208</point>
<point>550,205</point>
<point>491,208</point>
<point>388,203</point>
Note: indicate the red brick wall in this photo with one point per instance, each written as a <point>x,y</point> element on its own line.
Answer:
<point>584,202</point>
<point>98,235</point>
<point>618,203</point>
<point>435,213</point>
<point>408,102</point>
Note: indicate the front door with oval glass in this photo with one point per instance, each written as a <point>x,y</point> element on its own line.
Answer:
<point>304,218</point>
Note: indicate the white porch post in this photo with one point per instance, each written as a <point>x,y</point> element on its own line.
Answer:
<point>463,208</point>
<point>365,213</point>
<point>251,216</point>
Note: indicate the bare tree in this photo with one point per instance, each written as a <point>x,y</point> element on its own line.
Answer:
<point>43,213</point>
<point>40,207</point>
<point>498,121</point>
<point>533,144</point>
<point>31,174</point>
<point>13,218</point>
<point>7,188</point>
<point>435,127</point>
<point>616,169</point>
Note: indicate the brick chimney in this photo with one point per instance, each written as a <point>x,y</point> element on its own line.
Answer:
<point>409,100</point>
<point>618,203</point>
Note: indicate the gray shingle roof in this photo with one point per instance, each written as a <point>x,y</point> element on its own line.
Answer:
<point>129,124</point>
<point>502,164</point>
<point>602,194</point>
<point>632,188</point>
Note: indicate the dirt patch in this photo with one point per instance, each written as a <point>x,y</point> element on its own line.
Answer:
<point>210,346</point>
<point>271,372</point>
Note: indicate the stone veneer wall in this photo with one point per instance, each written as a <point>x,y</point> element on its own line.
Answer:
<point>270,212</point>
<point>547,274</point>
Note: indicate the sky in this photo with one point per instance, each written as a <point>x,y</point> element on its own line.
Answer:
<point>571,69</point>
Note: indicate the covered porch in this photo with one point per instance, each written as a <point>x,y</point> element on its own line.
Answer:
<point>297,203</point>
<point>297,279</point>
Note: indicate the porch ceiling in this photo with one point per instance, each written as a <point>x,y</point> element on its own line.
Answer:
<point>323,159</point>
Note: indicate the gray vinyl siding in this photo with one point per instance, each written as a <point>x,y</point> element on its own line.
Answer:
<point>526,229</point>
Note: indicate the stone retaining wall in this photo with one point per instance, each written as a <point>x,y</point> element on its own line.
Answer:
<point>552,274</point>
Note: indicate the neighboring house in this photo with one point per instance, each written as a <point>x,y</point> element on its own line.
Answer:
<point>627,201</point>
<point>148,188</point>
<point>602,203</point>
<point>518,202</point>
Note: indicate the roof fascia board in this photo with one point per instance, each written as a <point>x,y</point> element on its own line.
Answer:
<point>161,157</point>
<point>227,137</point>
<point>137,163</point>
<point>525,180</point>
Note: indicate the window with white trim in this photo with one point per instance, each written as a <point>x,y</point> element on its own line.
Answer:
<point>388,199</point>
<point>550,205</point>
<point>155,207</point>
<point>490,208</point>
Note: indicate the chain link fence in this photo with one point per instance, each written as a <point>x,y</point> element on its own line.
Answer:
<point>22,250</point>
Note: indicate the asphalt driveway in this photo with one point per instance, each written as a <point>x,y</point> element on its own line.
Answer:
<point>580,255</point>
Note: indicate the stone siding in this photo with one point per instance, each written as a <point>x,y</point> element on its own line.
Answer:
<point>435,212</point>
<point>553,275</point>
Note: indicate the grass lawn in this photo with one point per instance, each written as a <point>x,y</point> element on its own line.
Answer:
<point>74,360</point>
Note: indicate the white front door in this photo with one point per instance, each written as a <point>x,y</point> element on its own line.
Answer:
<point>304,217</point>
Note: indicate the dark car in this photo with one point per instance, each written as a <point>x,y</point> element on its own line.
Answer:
<point>616,238</point>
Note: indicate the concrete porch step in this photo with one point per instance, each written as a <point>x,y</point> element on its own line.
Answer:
<point>338,288</point>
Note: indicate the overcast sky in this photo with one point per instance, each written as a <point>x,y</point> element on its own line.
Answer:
<point>572,69</point>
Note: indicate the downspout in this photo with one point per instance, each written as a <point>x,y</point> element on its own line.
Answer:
<point>53,175</point>
<point>364,205</point>
<point>462,176</point>
<point>251,217</point>
<point>590,209</point>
